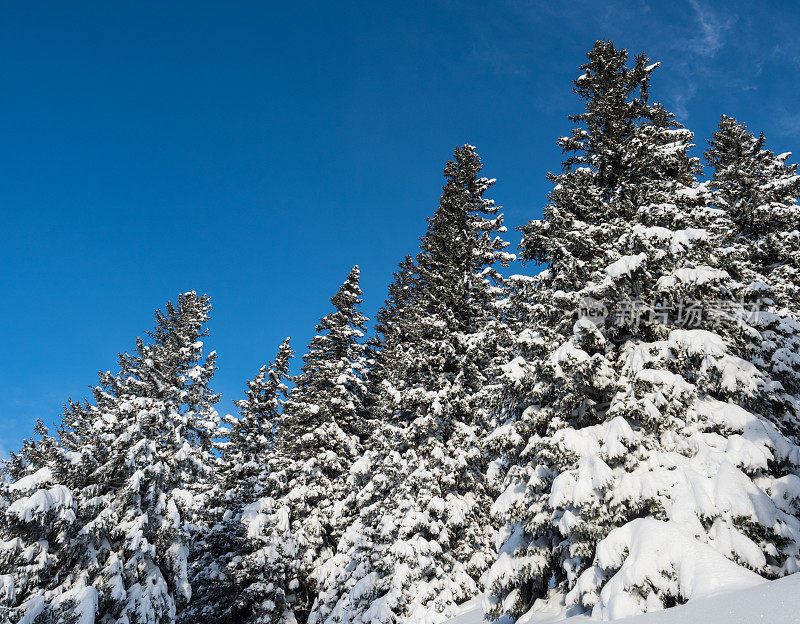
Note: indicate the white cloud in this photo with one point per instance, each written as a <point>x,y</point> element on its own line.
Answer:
<point>706,37</point>
<point>680,100</point>
<point>712,30</point>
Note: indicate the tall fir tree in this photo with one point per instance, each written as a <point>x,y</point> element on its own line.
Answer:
<point>421,541</point>
<point>318,437</point>
<point>253,433</point>
<point>759,192</point>
<point>632,412</point>
<point>123,477</point>
<point>247,458</point>
<point>392,326</point>
<point>38,529</point>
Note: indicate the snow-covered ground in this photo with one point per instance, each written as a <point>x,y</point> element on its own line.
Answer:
<point>774,602</point>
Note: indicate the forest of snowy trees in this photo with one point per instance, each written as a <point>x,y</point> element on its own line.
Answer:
<point>617,431</point>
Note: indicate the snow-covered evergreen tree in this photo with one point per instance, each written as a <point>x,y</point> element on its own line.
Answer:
<point>247,458</point>
<point>317,438</point>
<point>38,528</point>
<point>422,539</point>
<point>116,495</point>
<point>252,436</point>
<point>393,326</point>
<point>646,459</point>
<point>759,192</point>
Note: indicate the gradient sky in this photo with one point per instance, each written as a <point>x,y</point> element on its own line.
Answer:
<point>257,150</point>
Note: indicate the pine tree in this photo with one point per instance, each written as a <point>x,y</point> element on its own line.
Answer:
<point>421,541</point>
<point>247,458</point>
<point>631,424</point>
<point>330,386</point>
<point>38,526</point>
<point>317,439</point>
<point>392,326</point>
<point>253,433</point>
<point>759,192</point>
<point>123,477</point>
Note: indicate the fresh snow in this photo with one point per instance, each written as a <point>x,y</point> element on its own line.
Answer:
<point>625,265</point>
<point>770,602</point>
<point>662,554</point>
<point>32,481</point>
<point>40,503</point>
<point>687,275</point>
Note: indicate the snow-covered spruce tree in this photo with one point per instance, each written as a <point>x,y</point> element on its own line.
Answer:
<point>647,461</point>
<point>247,458</point>
<point>393,326</point>
<point>422,539</point>
<point>38,531</point>
<point>318,437</point>
<point>759,192</point>
<point>253,434</point>
<point>152,430</point>
<point>128,463</point>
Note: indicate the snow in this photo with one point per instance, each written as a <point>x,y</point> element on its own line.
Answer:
<point>32,481</point>
<point>773,602</point>
<point>7,589</point>
<point>697,342</point>
<point>41,502</point>
<point>687,275</point>
<point>625,265</point>
<point>679,240</point>
<point>514,370</point>
<point>83,604</point>
<point>656,555</point>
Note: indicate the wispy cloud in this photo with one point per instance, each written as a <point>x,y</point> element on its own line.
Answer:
<point>706,37</point>
<point>712,30</point>
<point>787,52</point>
<point>680,100</point>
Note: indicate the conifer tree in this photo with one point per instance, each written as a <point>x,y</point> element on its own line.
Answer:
<point>421,541</point>
<point>252,435</point>
<point>37,528</point>
<point>122,477</point>
<point>628,418</point>
<point>392,325</point>
<point>248,456</point>
<point>318,437</point>
<point>759,192</point>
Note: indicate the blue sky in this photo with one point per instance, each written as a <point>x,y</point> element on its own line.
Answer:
<point>256,151</point>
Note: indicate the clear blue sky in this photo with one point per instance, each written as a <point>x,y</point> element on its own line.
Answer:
<point>256,151</point>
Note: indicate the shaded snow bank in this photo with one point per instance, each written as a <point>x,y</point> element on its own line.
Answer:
<point>776,602</point>
<point>655,558</point>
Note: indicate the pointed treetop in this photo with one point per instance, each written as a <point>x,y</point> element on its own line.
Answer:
<point>617,103</point>
<point>459,234</point>
<point>349,293</point>
<point>254,431</point>
<point>748,177</point>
